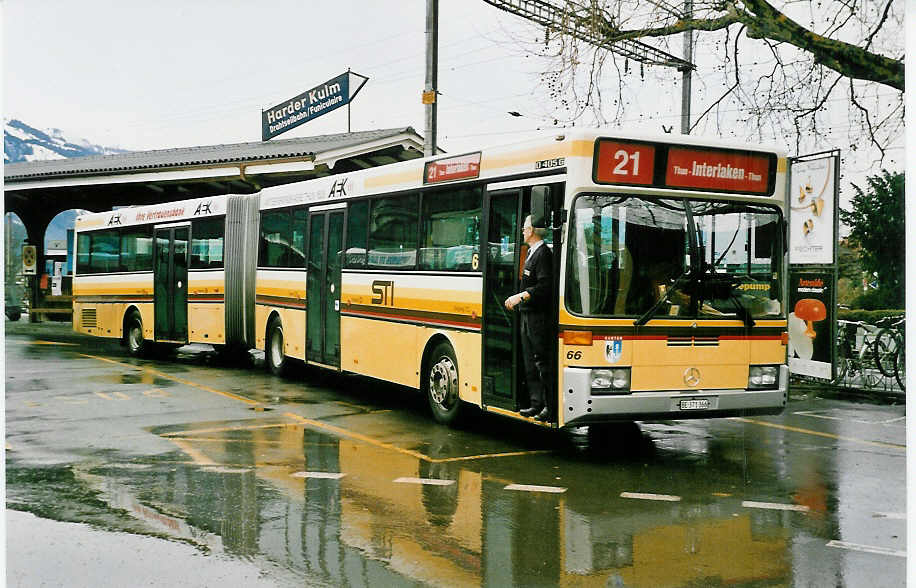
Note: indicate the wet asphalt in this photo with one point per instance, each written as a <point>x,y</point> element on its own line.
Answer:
<point>201,470</point>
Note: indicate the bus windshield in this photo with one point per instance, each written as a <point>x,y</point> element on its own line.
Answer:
<point>632,256</point>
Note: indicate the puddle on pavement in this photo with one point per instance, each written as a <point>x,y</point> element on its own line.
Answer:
<point>142,377</point>
<point>229,485</point>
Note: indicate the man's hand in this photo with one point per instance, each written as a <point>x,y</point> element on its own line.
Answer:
<point>515,300</point>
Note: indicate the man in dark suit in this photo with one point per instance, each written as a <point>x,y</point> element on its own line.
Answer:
<point>534,303</point>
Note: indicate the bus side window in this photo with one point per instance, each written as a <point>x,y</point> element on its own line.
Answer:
<point>275,239</point>
<point>82,253</point>
<point>393,232</point>
<point>104,251</point>
<point>450,235</point>
<point>357,229</point>
<point>136,250</point>
<point>207,243</point>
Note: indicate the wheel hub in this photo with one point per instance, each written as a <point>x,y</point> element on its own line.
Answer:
<point>442,380</point>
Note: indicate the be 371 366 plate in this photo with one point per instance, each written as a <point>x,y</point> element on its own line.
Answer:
<point>694,404</point>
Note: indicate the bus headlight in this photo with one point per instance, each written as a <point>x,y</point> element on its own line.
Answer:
<point>763,377</point>
<point>611,381</point>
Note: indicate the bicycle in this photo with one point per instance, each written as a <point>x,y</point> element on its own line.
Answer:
<point>887,344</point>
<point>856,352</point>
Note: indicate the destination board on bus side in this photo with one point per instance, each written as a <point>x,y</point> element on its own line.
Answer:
<point>662,165</point>
<point>461,167</point>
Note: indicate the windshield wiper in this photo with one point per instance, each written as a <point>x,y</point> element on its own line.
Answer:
<point>651,312</point>
<point>711,285</point>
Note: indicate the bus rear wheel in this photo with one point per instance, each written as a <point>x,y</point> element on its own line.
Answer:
<point>441,384</point>
<point>136,344</point>
<point>274,356</point>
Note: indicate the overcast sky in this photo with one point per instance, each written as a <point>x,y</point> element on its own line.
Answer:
<point>167,74</point>
<point>174,73</point>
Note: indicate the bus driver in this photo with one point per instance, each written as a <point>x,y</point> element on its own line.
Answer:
<point>535,301</point>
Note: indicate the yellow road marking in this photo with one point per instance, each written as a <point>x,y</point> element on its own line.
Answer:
<point>818,433</point>
<point>70,400</point>
<point>198,457</point>
<point>54,343</point>
<point>156,393</point>
<point>372,441</point>
<point>102,395</point>
<point>303,421</point>
<point>175,379</point>
<point>225,429</point>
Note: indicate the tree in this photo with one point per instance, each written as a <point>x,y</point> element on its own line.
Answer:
<point>877,223</point>
<point>767,75</point>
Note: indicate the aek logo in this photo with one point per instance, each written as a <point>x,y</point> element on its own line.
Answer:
<point>203,208</point>
<point>338,188</point>
<point>114,220</point>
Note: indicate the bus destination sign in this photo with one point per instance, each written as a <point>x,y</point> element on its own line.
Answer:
<point>729,171</point>
<point>461,167</point>
<point>671,166</point>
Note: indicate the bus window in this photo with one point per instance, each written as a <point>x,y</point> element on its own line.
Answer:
<point>275,239</point>
<point>207,243</point>
<point>104,252</point>
<point>357,226</point>
<point>393,233</point>
<point>450,237</point>
<point>136,250</point>
<point>297,249</point>
<point>82,253</point>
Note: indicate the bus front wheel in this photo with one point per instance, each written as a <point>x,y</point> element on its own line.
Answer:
<point>136,344</point>
<point>441,384</point>
<point>275,357</point>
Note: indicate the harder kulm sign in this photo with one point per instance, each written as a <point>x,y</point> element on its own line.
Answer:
<point>311,104</point>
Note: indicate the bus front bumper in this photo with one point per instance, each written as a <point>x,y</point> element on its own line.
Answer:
<point>581,407</point>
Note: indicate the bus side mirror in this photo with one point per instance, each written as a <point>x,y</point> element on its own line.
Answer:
<point>540,201</point>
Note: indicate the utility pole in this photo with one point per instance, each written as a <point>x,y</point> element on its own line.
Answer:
<point>432,74</point>
<point>686,72</point>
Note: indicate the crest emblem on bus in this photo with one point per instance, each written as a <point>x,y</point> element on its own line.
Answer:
<point>692,376</point>
<point>613,349</point>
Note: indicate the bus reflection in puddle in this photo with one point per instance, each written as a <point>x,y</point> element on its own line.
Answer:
<point>364,528</point>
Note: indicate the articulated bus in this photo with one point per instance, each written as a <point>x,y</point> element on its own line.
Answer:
<point>669,270</point>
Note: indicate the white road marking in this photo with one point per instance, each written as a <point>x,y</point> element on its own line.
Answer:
<point>814,414</point>
<point>775,506</point>
<point>642,496</point>
<point>323,475</point>
<point>532,488</point>
<point>225,470</point>
<point>890,515</point>
<point>426,481</point>
<point>866,548</point>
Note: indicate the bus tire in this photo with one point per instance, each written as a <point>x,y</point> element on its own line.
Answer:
<point>441,384</point>
<point>274,356</point>
<point>133,335</point>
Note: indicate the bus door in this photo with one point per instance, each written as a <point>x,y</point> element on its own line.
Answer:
<point>170,284</point>
<point>322,289</point>
<point>501,279</point>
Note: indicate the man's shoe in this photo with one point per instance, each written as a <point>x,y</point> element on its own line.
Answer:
<point>528,412</point>
<point>544,415</point>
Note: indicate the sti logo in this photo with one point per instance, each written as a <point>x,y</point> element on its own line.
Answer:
<point>203,208</point>
<point>338,188</point>
<point>114,220</point>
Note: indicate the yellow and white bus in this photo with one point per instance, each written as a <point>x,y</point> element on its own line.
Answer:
<point>669,257</point>
<point>168,274</point>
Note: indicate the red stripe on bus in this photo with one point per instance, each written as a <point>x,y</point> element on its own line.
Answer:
<point>412,319</point>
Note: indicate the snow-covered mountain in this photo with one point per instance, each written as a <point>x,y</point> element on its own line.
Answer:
<point>22,142</point>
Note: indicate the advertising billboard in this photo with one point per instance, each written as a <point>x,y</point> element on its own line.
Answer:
<point>811,318</point>
<point>812,204</point>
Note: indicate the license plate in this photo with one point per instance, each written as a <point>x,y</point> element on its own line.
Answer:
<point>695,404</point>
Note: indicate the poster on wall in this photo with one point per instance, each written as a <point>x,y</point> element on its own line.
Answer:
<point>812,205</point>
<point>811,316</point>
